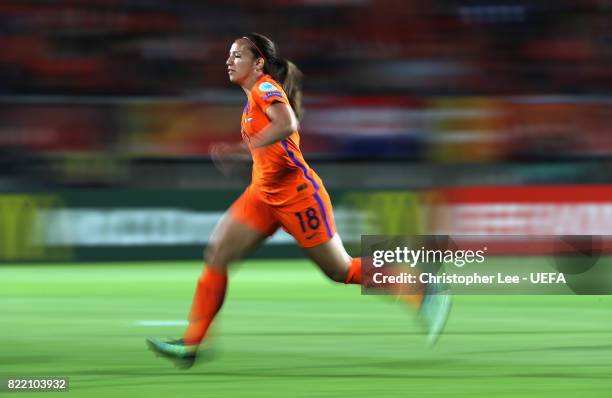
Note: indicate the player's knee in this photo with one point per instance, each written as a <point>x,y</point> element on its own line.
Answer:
<point>215,255</point>
<point>208,253</point>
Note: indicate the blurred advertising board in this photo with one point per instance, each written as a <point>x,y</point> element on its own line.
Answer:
<point>120,225</point>
<point>113,225</point>
<point>23,228</point>
<point>525,210</point>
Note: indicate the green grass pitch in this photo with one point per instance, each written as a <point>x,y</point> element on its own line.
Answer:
<point>285,331</point>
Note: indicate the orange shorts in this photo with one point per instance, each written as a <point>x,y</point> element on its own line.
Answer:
<point>310,221</point>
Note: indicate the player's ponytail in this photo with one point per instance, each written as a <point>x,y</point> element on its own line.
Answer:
<point>291,78</point>
<point>282,70</point>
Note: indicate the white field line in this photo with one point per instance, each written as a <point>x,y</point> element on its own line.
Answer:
<point>172,322</point>
<point>178,322</point>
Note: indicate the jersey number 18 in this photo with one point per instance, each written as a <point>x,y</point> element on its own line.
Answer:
<point>312,219</point>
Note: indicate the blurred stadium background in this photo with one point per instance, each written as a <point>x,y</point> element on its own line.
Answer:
<point>455,116</point>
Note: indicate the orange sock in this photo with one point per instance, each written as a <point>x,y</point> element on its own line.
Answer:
<point>353,277</point>
<point>207,301</point>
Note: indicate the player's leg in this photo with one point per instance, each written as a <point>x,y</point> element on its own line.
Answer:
<point>311,223</point>
<point>231,240</point>
<point>335,262</point>
<point>242,229</point>
<point>432,304</point>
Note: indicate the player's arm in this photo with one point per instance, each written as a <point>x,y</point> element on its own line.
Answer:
<point>228,156</point>
<point>282,124</point>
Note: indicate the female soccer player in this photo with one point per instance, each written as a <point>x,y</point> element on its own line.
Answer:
<point>284,192</point>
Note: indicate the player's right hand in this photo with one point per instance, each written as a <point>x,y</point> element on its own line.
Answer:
<point>227,157</point>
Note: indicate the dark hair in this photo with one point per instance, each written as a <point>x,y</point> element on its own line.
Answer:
<point>282,70</point>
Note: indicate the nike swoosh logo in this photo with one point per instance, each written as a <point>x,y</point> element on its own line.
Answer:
<point>311,235</point>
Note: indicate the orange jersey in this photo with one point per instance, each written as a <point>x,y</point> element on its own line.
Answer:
<point>280,173</point>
